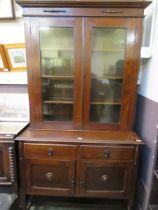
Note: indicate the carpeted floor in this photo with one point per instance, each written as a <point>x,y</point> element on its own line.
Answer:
<point>76,206</point>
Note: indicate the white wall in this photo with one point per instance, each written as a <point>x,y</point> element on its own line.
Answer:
<point>149,80</point>
<point>13,85</point>
<point>12,31</point>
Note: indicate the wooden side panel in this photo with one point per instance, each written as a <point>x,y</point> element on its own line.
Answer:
<point>5,172</point>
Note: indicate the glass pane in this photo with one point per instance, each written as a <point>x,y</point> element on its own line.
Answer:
<point>57,90</point>
<point>57,64</point>
<point>57,51</point>
<point>107,66</point>
<point>104,113</point>
<point>106,90</point>
<point>108,51</point>
<point>57,112</point>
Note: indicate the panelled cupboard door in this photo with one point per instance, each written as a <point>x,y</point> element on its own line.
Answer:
<point>50,177</point>
<point>105,179</point>
<point>56,72</point>
<point>5,176</point>
<point>110,73</point>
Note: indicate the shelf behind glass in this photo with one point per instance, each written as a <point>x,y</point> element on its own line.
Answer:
<point>107,50</point>
<point>58,77</point>
<point>58,49</point>
<point>105,102</point>
<point>57,112</point>
<point>105,113</point>
<point>58,102</point>
<point>115,77</point>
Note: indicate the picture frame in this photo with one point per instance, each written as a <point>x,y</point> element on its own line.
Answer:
<point>16,56</point>
<point>3,60</point>
<point>7,9</point>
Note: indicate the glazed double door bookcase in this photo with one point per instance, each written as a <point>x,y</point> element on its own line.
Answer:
<point>83,72</point>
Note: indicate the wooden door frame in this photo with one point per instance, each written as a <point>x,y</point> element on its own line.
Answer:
<point>133,26</point>
<point>34,73</point>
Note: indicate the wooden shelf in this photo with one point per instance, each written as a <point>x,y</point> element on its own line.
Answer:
<point>58,102</point>
<point>108,50</point>
<point>108,77</point>
<point>58,49</point>
<point>58,77</point>
<point>105,102</point>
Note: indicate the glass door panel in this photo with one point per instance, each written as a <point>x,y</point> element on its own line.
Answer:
<point>107,66</point>
<point>57,66</point>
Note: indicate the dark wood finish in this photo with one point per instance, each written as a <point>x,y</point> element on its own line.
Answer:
<point>127,95</point>
<point>85,3</point>
<point>36,96</point>
<point>88,12</point>
<point>129,18</point>
<point>90,137</point>
<point>50,177</point>
<point>7,174</point>
<point>49,151</point>
<point>106,179</point>
<point>81,158</point>
<point>108,152</point>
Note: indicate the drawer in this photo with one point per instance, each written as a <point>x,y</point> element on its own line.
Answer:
<point>107,152</point>
<point>49,151</point>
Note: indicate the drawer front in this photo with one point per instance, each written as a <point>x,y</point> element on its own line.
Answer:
<point>49,151</point>
<point>86,12</point>
<point>99,178</point>
<point>107,152</point>
<point>50,177</point>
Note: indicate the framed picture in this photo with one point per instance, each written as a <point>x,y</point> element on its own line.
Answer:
<point>7,9</point>
<point>16,56</point>
<point>3,61</point>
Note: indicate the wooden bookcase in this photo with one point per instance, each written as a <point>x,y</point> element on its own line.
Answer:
<point>83,59</point>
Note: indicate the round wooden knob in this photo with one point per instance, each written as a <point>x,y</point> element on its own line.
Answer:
<point>50,176</point>
<point>106,154</point>
<point>104,178</point>
<point>50,152</point>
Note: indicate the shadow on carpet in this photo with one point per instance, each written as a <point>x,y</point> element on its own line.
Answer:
<point>76,206</point>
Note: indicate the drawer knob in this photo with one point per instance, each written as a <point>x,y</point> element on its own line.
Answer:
<point>50,176</point>
<point>72,181</point>
<point>50,152</point>
<point>106,154</point>
<point>81,184</point>
<point>104,178</point>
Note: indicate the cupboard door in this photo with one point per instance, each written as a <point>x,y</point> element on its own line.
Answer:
<point>50,177</point>
<point>105,179</point>
<point>5,174</point>
<point>110,77</point>
<point>58,71</point>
